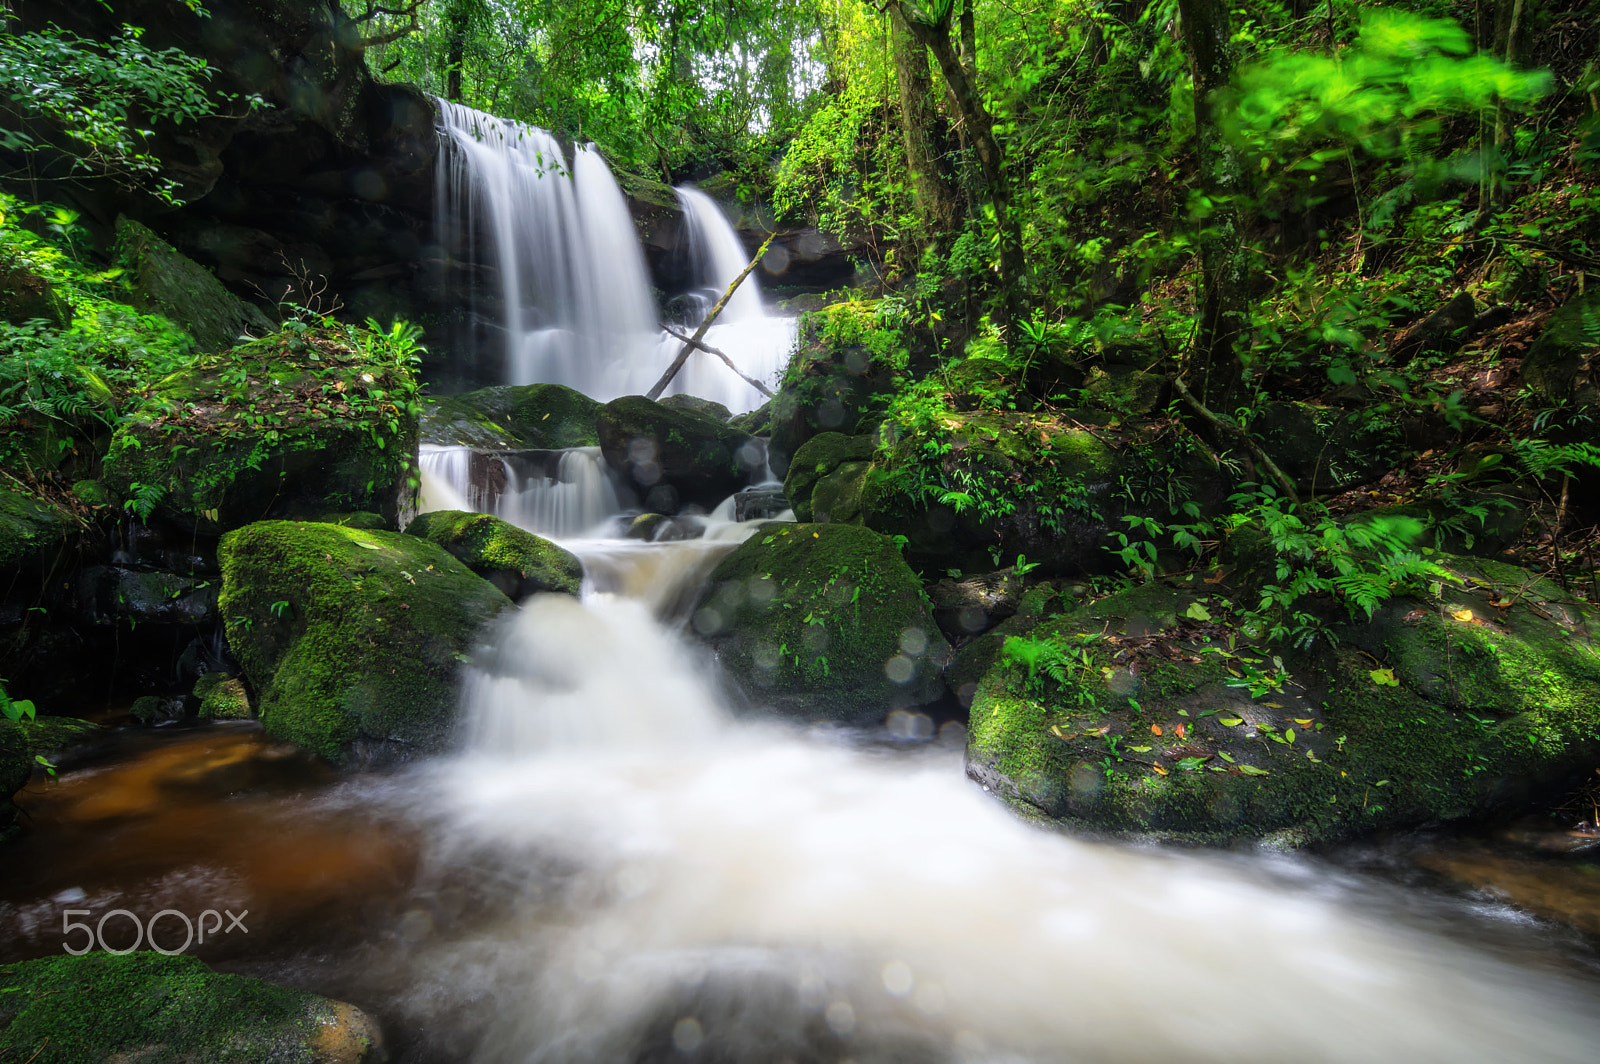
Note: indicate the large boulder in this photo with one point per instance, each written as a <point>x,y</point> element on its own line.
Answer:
<point>519,563</point>
<point>833,466</point>
<point>160,1009</point>
<point>307,419</point>
<point>823,622</point>
<point>164,282</point>
<point>31,529</point>
<point>673,457</point>
<point>1152,712</point>
<point>508,417</point>
<point>26,296</point>
<point>351,639</point>
<point>1561,365</point>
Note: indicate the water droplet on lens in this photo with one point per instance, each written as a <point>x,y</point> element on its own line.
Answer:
<point>899,669</point>
<point>687,1035</point>
<point>897,978</point>
<point>841,1019</point>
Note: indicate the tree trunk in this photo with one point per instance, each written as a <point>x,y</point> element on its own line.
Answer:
<point>980,131</point>
<point>457,20</point>
<point>1216,363</point>
<point>938,198</point>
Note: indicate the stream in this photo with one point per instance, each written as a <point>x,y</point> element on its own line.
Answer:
<point>616,867</point>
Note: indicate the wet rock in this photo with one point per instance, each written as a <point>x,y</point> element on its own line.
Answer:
<point>981,381</point>
<point>92,493</point>
<point>673,457</point>
<point>165,282</point>
<point>757,422</point>
<point>1434,709</point>
<point>645,526</point>
<point>352,640</point>
<point>153,710</point>
<point>153,1008</point>
<point>530,417</point>
<point>519,563</point>
<point>1562,365</point>
<point>16,768</point>
<point>835,457</point>
<point>223,697</point>
<point>288,424</point>
<point>970,607</point>
<point>31,530</point>
<point>823,622</point>
<point>759,504</point>
<point>107,594</point>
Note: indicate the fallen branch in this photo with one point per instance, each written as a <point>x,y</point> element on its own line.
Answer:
<point>708,349</point>
<point>699,334</point>
<point>1229,427</point>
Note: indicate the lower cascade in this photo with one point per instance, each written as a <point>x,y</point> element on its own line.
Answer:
<point>667,881</point>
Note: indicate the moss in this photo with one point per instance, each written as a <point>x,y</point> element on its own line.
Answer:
<point>757,422</point>
<point>1127,390</point>
<point>164,1010</point>
<point>701,459</point>
<point>508,417</point>
<point>304,420</point>
<point>350,638</point>
<point>519,563</point>
<point>165,282</point>
<point>818,458</point>
<point>92,493</point>
<point>694,404</point>
<point>29,527</point>
<point>1477,713</point>
<point>813,619</point>
<point>842,368</point>
<point>228,699</point>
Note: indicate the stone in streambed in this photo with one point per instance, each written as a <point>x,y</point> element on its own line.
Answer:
<point>674,457</point>
<point>155,1009</point>
<point>517,562</point>
<point>1434,709</point>
<point>513,417</point>
<point>222,697</point>
<point>351,639</point>
<point>823,622</point>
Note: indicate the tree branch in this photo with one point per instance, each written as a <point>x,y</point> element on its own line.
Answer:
<point>699,334</point>
<point>708,349</point>
<point>1229,427</point>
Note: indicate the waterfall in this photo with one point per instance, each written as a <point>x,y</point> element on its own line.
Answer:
<point>552,493</point>
<point>575,296</point>
<point>758,344</point>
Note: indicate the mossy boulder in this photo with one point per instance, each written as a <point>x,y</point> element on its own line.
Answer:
<point>519,563</point>
<point>757,422</point>
<point>165,282</point>
<point>1160,720</point>
<point>306,420</point>
<point>351,639</point>
<point>672,457</point>
<point>823,622</point>
<point>1561,366</point>
<point>92,493</point>
<point>222,697</point>
<point>842,367</point>
<point>157,1009</point>
<point>1128,390</point>
<point>979,380</point>
<point>30,529</point>
<point>829,463</point>
<point>16,767</point>
<point>695,405</point>
<point>508,417</point>
<point>21,742</point>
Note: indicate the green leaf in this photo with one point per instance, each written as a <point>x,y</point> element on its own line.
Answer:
<point>1197,611</point>
<point>1251,770</point>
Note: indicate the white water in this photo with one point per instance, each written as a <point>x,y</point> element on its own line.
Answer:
<point>577,302</point>
<point>577,305</point>
<point>579,498</point>
<point>675,882</point>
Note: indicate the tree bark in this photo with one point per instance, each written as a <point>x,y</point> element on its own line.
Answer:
<point>457,20</point>
<point>1223,276</point>
<point>938,198</point>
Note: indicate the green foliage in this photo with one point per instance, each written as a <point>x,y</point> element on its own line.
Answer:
<point>15,709</point>
<point>96,95</point>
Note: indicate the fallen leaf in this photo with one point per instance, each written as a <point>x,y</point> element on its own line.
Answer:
<point>1251,770</point>
<point>1415,615</point>
<point>1225,756</point>
<point>1155,729</point>
<point>1272,705</point>
<point>1179,730</point>
<point>1197,612</point>
<point>1461,615</point>
<point>1288,736</point>
<point>1230,722</point>
<point>1384,677</point>
<point>1217,577</point>
<point>1300,722</point>
<point>1159,769</point>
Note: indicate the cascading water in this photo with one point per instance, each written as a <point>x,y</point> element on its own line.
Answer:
<point>553,493</point>
<point>576,298</point>
<point>670,883</point>
<point>758,344</point>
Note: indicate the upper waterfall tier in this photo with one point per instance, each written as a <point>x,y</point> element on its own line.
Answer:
<point>576,297</point>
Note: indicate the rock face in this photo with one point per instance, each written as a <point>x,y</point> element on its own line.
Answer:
<point>1139,717</point>
<point>302,421</point>
<point>351,638</point>
<point>673,457</point>
<point>148,1007</point>
<point>531,417</point>
<point>165,282</point>
<point>30,530</point>
<point>823,622</point>
<point>24,296</point>
<point>519,563</point>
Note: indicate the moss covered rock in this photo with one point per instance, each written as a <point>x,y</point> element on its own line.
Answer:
<point>1128,390</point>
<point>157,1009</point>
<point>1145,715</point>
<point>351,639</point>
<point>695,405</point>
<point>307,420</point>
<point>530,417</point>
<point>1327,449</point>
<point>828,456</point>
<point>673,457</point>
<point>519,563</point>
<point>823,622</point>
<point>165,282</point>
<point>25,296</point>
<point>21,743</point>
<point>29,529</point>
<point>223,697</point>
